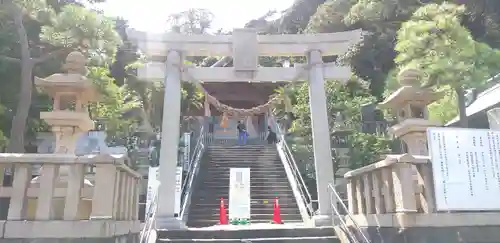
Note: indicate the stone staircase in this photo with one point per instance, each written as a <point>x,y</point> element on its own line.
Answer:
<point>268,181</point>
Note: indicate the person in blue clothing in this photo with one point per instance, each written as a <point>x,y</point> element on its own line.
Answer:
<point>242,133</point>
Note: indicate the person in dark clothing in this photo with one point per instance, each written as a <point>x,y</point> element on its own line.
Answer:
<point>271,136</point>
<point>211,124</point>
<point>154,155</point>
<point>242,133</point>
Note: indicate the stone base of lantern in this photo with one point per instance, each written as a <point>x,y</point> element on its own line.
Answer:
<point>65,118</point>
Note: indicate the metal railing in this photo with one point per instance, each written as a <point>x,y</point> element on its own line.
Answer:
<point>357,236</point>
<point>292,164</point>
<point>149,221</point>
<point>194,165</point>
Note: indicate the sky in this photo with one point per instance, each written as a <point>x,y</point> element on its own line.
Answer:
<point>151,15</point>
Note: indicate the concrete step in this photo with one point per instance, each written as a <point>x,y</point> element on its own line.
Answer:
<point>330,239</point>
<point>258,182</point>
<point>246,158</point>
<point>221,182</point>
<point>243,233</point>
<point>238,164</point>
<point>200,223</point>
<point>276,165</point>
<point>219,168</point>
<point>271,180</point>
<point>260,151</point>
<point>253,189</point>
<point>225,183</point>
<point>253,155</point>
<point>253,192</point>
<point>254,195</point>
<point>252,186</point>
<point>254,203</point>
<point>254,210</point>
<point>263,152</point>
<point>215,197</point>
<point>233,153</point>
<point>253,216</point>
<point>262,174</point>
<point>257,207</point>
<point>236,145</point>
<point>226,171</point>
<point>253,167</point>
<point>271,195</point>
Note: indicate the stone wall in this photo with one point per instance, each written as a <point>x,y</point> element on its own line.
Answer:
<point>469,234</point>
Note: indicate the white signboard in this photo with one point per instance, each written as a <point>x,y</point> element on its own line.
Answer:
<point>466,168</point>
<point>239,193</point>
<point>178,190</point>
<point>187,150</point>
<point>153,183</point>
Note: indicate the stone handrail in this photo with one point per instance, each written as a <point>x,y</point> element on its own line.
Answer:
<point>397,184</point>
<point>113,195</point>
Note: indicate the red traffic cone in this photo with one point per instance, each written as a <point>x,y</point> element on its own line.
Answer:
<point>276,212</point>
<point>222,213</point>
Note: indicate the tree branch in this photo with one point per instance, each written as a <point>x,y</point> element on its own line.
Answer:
<point>10,59</point>
<point>49,55</point>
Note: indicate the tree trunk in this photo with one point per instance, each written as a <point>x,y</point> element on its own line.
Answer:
<point>464,120</point>
<point>18,128</point>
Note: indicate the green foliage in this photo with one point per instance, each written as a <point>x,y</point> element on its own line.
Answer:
<point>445,109</point>
<point>77,27</point>
<point>348,98</point>
<point>367,149</point>
<point>434,41</point>
<point>113,103</point>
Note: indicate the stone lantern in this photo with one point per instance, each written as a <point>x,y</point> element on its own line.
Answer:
<point>409,106</point>
<point>69,119</point>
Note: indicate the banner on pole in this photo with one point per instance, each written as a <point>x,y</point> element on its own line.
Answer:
<point>178,190</point>
<point>153,184</point>
<point>187,150</point>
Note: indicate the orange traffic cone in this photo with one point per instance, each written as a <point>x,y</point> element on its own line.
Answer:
<point>222,213</point>
<point>276,212</point>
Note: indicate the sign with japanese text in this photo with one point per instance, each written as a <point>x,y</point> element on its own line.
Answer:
<point>466,168</point>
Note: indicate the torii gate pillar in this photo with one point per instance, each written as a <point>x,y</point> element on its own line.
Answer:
<point>170,133</point>
<point>323,162</point>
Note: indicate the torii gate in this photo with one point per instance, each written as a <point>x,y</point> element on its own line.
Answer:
<point>245,46</point>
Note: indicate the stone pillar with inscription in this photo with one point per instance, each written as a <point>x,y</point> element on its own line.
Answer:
<point>409,105</point>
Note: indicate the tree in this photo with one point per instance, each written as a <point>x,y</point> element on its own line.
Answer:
<point>72,27</point>
<point>114,103</point>
<point>434,41</point>
<point>373,57</point>
<point>191,21</point>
